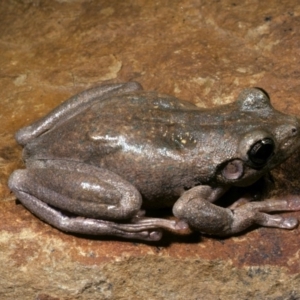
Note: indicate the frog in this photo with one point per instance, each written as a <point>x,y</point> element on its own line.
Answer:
<point>97,163</point>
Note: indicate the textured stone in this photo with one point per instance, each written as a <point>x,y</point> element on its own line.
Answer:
<point>201,51</point>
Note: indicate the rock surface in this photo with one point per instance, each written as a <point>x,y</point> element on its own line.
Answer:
<point>201,51</point>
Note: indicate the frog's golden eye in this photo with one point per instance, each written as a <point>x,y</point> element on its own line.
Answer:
<point>261,151</point>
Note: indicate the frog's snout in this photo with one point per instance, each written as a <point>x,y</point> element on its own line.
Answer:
<point>293,125</point>
<point>295,128</point>
<point>290,134</point>
<point>298,123</point>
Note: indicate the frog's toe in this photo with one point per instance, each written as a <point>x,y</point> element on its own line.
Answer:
<point>175,226</point>
<point>147,235</point>
<point>155,235</point>
<point>277,221</point>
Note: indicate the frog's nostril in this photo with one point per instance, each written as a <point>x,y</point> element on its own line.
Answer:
<point>294,130</point>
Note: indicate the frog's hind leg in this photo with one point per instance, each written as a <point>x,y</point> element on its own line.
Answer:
<point>84,225</point>
<point>105,203</point>
<point>71,107</point>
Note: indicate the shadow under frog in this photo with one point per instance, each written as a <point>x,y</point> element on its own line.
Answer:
<point>98,159</point>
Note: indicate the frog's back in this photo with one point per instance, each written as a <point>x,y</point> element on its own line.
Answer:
<point>106,126</point>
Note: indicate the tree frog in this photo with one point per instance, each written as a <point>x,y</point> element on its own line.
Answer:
<point>99,160</point>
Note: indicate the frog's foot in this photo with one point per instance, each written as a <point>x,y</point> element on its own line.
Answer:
<point>175,226</point>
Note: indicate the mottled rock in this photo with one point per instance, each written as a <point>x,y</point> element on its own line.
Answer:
<point>201,51</point>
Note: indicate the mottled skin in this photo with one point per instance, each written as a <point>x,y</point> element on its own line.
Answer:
<point>108,151</point>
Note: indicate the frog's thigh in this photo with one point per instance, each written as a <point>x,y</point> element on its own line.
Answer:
<point>80,189</point>
<point>36,188</point>
<point>78,224</point>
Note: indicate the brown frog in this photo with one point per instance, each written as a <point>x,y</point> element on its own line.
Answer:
<point>100,157</point>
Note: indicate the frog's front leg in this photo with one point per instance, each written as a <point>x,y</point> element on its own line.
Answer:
<point>196,208</point>
<point>97,201</point>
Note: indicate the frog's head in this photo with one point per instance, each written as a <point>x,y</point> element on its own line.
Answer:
<point>268,141</point>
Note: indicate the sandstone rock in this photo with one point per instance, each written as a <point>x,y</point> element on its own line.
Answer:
<point>201,51</point>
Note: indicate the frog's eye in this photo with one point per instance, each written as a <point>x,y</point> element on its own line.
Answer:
<point>261,151</point>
